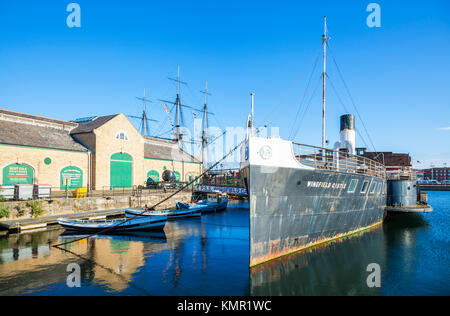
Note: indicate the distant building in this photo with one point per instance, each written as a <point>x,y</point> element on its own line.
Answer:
<point>440,174</point>
<point>95,152</point>
<point>394,162</point>
<point>402,162</point>
<point>420,174</point>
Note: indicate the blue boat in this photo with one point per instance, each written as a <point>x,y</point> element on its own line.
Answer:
<point>147,223</point>
<point>214,202</point>
<point>182,210</point>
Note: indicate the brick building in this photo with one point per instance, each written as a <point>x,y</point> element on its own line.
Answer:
<point>394,162</point>
<point>440,174</point>
<point>97,152</point>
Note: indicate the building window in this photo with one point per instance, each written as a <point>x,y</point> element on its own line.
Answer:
<point>121,136</point>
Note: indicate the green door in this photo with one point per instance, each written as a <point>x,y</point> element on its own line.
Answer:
<point>121,171</point>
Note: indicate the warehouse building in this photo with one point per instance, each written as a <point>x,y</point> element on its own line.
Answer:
<point>394,162</point>
<point>95,152</point>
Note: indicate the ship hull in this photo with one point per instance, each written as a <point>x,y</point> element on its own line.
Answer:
<point>292,209</point>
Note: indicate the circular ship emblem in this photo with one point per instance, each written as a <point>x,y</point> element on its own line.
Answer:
<point>265,152</point>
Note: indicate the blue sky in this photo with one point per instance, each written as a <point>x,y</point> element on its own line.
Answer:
<point>398,74</point>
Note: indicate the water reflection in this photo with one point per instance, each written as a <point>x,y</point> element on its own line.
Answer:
<point>29,260</point>
<point>113,259</point>
<point>182,260</point>
<point>337,268</point>
<point>210,256</point>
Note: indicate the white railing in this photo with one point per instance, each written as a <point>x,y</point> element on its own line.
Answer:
<point>323,158</point>
<point>402,174</point>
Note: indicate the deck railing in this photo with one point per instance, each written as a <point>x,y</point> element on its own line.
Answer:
<point>323,158</point>
<point>403,174</point>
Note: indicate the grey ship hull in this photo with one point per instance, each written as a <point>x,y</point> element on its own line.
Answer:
<point>292,209</point>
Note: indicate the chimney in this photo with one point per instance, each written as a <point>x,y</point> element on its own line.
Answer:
<point>347,133</point>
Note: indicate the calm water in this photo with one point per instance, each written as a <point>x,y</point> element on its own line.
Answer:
<point>209,256</point>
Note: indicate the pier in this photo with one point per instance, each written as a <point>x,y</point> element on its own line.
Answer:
<point>434,187</point>
<point>409,209</point>
<point>80,208</point>
<point>46,222</point>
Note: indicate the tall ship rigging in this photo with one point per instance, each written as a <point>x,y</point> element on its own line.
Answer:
<point>302,195</point>
<point>177,127</point>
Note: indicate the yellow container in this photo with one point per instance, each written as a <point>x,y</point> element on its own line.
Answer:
<point>80,193</point>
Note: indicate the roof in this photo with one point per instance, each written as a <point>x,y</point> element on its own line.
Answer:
<point>166,151</point>
<point>36,117</point>
<point>390,159</point>
<point>88,127</point>
<point>17,133</point>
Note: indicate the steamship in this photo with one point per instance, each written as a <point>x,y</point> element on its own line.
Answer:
<point>302,195</point>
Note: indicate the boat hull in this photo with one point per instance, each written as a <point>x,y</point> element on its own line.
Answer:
<point>292,209</point>
<point>214,207</point>
<point>116,226</point>
<point>172,214</point>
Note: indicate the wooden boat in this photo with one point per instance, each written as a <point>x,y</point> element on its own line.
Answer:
<point>147,223</point>
<point>183,210</point>
<point>214,202</point>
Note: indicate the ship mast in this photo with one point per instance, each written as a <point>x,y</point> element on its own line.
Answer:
<point>252,121</point>
<point>145,129</point>
<point>325,38</point>
<point>177,103</point>
<point>204,126</point>
<point>178,136</point>
<point>144,116</point>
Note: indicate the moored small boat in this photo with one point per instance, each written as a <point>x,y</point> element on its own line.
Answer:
<point>183,210</point>
<point>146,223</point>
<point>214,202</point>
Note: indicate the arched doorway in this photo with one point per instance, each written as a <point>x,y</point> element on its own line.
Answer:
<point>121,170</point>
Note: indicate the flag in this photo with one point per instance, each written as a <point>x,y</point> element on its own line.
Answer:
<point>168,113</point>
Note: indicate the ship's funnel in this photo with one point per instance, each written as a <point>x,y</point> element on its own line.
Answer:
<point>347,133</point>
<point>348,122</point>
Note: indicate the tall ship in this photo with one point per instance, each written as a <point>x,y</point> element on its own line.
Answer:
<point>302,195</point>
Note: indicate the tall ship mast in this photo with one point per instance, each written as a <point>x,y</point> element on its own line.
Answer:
<point>176,129</point>
<point>178,135</point>
<point>324,44</point>
<point>205,117</point>
<point>302,195</point>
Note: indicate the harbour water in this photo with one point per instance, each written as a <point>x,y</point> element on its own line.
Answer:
<point>209,256</point>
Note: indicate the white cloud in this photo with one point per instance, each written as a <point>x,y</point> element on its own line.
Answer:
<point>444,129</point>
